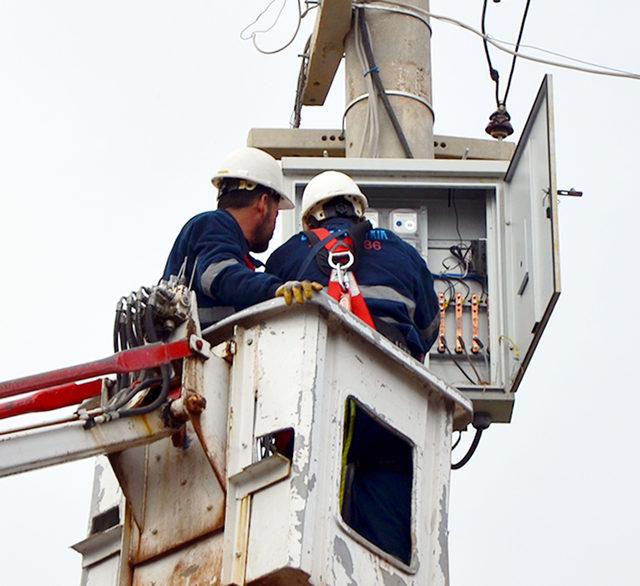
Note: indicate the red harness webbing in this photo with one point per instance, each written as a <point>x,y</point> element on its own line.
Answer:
<point>249,263</point>
<point>349,297</point>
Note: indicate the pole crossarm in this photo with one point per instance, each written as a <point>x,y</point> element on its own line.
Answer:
<point>333,22</point>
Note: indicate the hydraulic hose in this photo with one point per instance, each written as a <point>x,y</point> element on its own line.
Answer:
<point>165,370</point>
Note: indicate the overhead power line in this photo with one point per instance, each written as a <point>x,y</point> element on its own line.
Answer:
<point>602,69</point>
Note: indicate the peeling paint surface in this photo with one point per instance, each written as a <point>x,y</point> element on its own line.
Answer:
<point>343,559</point>
<point>389,579</point>
<point>106,491</point>
<point>443,535</point>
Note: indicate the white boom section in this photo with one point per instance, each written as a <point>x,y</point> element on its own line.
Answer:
<point>39,448</point>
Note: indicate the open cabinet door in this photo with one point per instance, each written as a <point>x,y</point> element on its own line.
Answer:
<point>531,234</point>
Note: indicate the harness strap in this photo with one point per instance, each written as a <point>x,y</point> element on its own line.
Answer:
<point>249,263</point>
<point>350,299</point>
<point>336,243</point>
<point>317,247</point>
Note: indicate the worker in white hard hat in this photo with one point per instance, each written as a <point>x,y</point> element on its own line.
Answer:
<point>391,275</point>
<point>398,299</point>
<point>213,248</point>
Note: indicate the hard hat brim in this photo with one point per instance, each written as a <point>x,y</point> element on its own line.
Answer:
<point>285,203</point>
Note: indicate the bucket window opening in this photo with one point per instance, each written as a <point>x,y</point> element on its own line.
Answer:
<point>376,482</point>
<point>279,442</point>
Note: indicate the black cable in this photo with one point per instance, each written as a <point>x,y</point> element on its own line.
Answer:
<point>470,451</point>
<point>149,326</point>
<point>129,322</point>
<point>123,379</point>
<point>452,202</point>
<point>377,82</point>
<point>450,291</point>
<point>165,371</point>
<point>116,327</point>
<point>495,76</point>
<point>475,370</point>
<point>139,310</point>
<point>446,347</point>
<point>493,73</point>
<point>461,281</point>
<point>120,378</point>
<point>455,444</point>
<point>513,62</point>
<point>127,393</point>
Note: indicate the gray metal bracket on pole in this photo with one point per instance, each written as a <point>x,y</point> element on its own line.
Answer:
<point>420,99</point>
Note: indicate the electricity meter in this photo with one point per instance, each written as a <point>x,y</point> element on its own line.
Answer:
<point>404,222</point>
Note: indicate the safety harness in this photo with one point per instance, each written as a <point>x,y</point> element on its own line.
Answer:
<point>338,261</point>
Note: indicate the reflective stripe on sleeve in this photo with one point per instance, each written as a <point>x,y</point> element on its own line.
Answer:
<point>428,332</point>
<point>213,270</point>
<point>388,294</point>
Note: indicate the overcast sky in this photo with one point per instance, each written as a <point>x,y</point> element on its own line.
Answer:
<point>113,116</point>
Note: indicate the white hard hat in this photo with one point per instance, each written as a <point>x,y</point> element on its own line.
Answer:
<point>326,186</point>
<point>254,166</point>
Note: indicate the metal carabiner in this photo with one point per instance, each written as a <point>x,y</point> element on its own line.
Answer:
<point>344,253</point>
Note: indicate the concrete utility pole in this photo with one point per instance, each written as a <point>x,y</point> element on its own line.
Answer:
<point>401,44</point>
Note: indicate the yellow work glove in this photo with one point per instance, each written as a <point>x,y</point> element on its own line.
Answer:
<point>298,290</point>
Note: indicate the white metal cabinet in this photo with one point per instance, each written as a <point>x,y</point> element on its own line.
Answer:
<point>508,209</point>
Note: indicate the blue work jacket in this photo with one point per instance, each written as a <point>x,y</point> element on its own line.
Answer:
<point>224,279</point>
<point>393,278</point>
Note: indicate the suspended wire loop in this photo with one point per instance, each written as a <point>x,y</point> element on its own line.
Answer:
<point>252,36</point>
<point>257,18</point>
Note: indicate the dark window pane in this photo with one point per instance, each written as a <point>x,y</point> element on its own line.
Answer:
<point>376,484</point>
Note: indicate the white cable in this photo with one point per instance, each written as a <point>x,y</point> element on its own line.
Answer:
<point>257,18</point>
<point>367,126</point>
<point>371,133</point>
<point>252,36</point>
<point>374,105</point>
<point>603,70</point>
<point>568,57</point>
